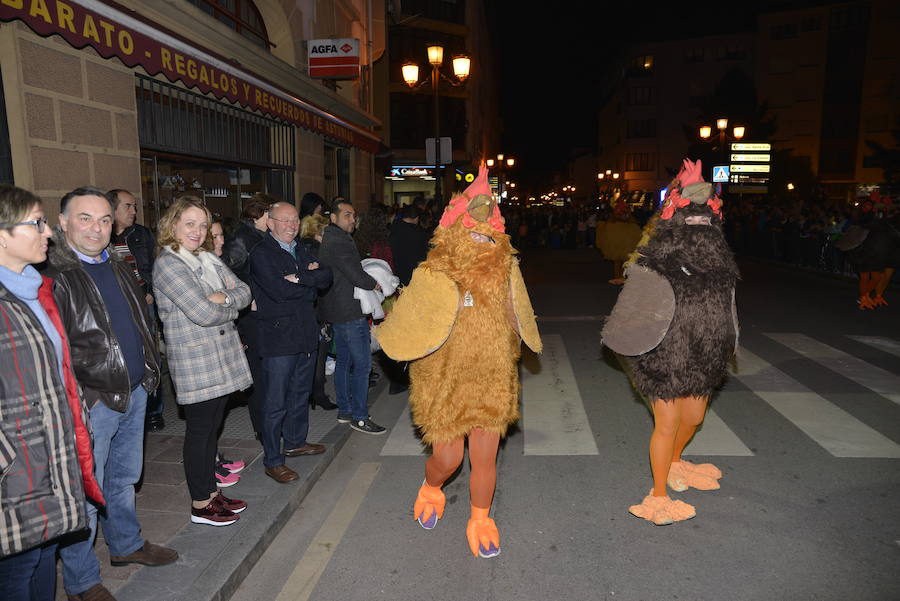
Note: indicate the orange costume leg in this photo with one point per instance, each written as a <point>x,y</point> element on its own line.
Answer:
<point>884,278</point>
<point>657,507</point>
<point>865,287</point>
<point>481,531</point>
<point>445,459</point>
<point>682,473</point>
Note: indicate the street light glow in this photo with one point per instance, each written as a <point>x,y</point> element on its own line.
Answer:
<point>436,55</point>
<point>410,74</point>
<point>705,131</point>
<point>738,132</point>
<point>461,65</point>
<point>722,123</point>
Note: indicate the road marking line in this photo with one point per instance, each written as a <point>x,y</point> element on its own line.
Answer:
<point>305,576</point>
<point>403,440</point>
<point>554,421</point>
<point>714,437</point>
<point>888,345</point>
<point>831,427</point>
<point>865,374</point>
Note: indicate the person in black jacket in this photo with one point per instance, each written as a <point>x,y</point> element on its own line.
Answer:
<point>137,245</point>
<point>285,280</point>
<point>236,255</point>
<point>409,243</point>
<point>352,339</point>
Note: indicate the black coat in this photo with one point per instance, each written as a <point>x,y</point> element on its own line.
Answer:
<point>285,312</point>
<point>409,247</point>
<point>339,252</point>
<point>236,252</point>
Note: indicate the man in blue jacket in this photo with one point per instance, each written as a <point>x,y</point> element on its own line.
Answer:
<point>285,280</point>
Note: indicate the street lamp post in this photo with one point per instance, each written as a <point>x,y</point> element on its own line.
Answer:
<point>461,66</point>
<point>503,164</point>
<point>608,176</point>
<point>737,132</point>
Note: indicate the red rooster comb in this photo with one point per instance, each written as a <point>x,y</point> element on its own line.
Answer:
<point>475,204</point>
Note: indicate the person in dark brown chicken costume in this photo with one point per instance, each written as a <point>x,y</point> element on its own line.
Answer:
<point>676,324</point>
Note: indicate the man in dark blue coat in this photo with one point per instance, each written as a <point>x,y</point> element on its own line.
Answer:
<point>285,280</point>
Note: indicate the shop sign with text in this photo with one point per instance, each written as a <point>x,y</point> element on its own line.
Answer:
<point>336,58</point>
<point>82,27</point>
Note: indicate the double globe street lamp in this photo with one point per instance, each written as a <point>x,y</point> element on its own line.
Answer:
<point>502,163</point>
<point>737,132</point>
<point>608,176</point>
<point>461,66</point>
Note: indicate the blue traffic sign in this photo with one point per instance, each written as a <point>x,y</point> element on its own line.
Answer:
<point>721,173</point>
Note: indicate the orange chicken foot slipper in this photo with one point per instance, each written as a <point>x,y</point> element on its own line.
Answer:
<point>429,506</point>
<point>662,510</point>
<point>683,474</point>
<point>484,538</point>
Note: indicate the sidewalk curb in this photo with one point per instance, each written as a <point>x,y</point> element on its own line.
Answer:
<point>213,562</point>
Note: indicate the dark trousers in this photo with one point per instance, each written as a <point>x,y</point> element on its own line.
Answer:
<point>30,575</point>
<point>288,381</point>
<point>246,325</point>
<point>201,436</point>
<point>318,388</point>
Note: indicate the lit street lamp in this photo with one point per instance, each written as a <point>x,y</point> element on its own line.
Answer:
<point>608,176</point>
<point>737,132</point>
<point>461,66</point>
<point>503,164</point>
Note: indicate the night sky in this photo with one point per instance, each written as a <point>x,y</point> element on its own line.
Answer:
<point>552,65</point>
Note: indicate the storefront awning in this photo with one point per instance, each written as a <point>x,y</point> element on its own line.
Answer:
<point>112,32</point>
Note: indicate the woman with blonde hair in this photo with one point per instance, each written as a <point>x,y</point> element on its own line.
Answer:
<point>199,299</point>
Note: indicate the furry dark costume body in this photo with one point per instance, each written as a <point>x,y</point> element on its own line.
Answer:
<point>879,249</point>
<point>698,264</point>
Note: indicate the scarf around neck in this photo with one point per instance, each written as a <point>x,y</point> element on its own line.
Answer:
<point>203,262</point>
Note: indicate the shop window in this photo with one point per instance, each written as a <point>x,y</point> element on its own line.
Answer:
<point>191,142</point>
<point>6,172</point>
<point>337,173</point>
<point>240,15</point>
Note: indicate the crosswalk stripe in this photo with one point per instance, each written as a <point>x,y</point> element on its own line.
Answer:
<point>716,438</point>
<point>831,427</point>
<point>403,440</point>
<point>554,420</point>
<point>865,374</point>
<point>888,345</point>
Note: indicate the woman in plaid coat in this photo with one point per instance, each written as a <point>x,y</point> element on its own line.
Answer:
<point>199,299</point>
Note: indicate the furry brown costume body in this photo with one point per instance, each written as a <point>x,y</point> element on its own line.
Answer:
<point>471,380</point>
<point>697,262</point>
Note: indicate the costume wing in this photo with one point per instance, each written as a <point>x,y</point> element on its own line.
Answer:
<point>421,318</point>
<point>642,314</point>
<point>852,238</point>
<point>522,307</point>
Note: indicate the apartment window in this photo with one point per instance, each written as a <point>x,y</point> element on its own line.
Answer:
<point>240,15</point>
<point>644,62</point>
<point>640,128</point>
<point>640,96</point>
<point>784,31</point>
<point>811,24</point>
<point>694,55</point>
<point>639,161</point>
<point>735,52</point>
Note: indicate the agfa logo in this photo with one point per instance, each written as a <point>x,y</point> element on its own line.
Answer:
<point>346,48</point>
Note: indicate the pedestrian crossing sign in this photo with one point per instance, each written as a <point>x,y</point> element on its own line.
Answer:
<point>721,173</point>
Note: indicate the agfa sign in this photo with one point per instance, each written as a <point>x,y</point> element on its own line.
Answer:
<point>334,58</point>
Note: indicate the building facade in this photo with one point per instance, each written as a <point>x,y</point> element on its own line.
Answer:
<point>186,95</point>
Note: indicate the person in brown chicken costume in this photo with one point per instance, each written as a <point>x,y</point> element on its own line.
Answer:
<point>676,324</point>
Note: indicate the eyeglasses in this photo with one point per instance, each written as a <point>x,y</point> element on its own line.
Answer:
<point>40,223</point>
<point>291,221</point>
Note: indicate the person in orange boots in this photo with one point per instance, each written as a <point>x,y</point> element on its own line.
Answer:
<point>460,323</point>
<point>676,325</point>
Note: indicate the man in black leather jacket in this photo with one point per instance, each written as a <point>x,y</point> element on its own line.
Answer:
<point>104,312</point>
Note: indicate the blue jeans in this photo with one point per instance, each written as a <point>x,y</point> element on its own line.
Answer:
<point>30,575</point>
<point>285,411</point>
<point>353,361</point>
<point>118,461</point>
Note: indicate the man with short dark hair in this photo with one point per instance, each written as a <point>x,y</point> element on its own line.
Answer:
<point>286,280</point>
<point>114,356</point>
<point>353,353</point>
<point>137,245</point>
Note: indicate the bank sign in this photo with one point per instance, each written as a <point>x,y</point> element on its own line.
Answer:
<point>114,33</point>
<point>336,58</point>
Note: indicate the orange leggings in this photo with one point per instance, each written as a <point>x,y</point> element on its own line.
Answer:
<point>447,457</point>
<point>675,422</point>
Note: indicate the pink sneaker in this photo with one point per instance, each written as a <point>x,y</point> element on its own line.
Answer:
<point>232,466</point>
<point>226,478</point>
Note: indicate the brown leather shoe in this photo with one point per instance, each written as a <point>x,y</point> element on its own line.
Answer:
<point>148,555</point>
<point>98,592</point>
<point>282,473</point>
<point>309,448</point>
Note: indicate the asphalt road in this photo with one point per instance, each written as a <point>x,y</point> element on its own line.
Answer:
<point>807,432</point>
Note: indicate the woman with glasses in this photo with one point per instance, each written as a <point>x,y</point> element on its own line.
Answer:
<point>46,465</point>
<point>199,299</point>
